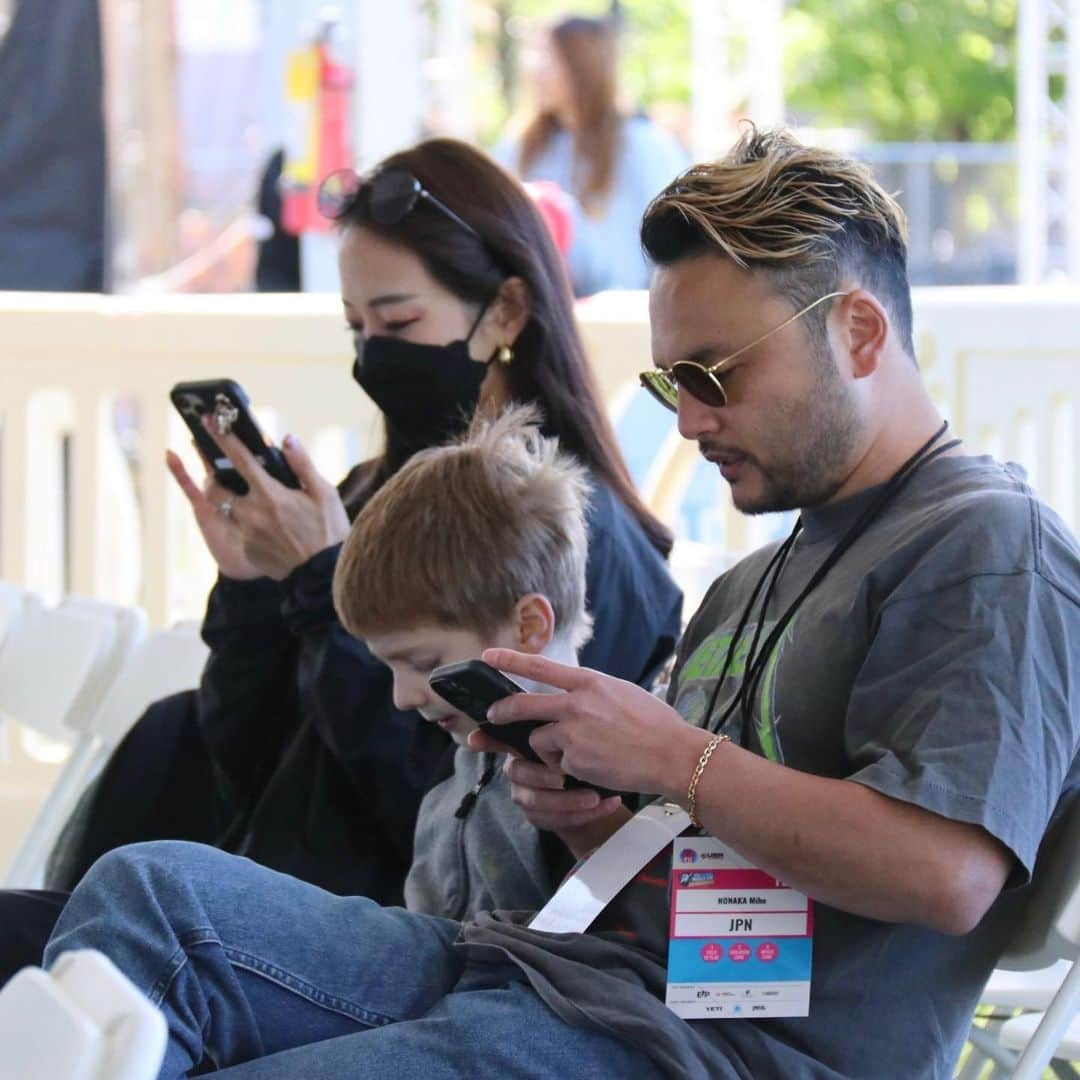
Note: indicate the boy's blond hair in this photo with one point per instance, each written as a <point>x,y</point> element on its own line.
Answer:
<point>462,532</point>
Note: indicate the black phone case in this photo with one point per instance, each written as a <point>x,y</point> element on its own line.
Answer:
<point>194,400</point>
<point>472,687</point>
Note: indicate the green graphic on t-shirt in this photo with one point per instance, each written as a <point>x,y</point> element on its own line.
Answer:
<point>767,721</point>
<point>707,660</point>
<point>697,680</point>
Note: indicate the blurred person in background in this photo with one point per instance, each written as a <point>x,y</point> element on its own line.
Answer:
<point>277,265</point>
<point>292,751</point>
<point>612,162</point>
<point>52,144</point>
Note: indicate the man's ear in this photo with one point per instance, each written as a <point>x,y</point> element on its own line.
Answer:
<point>534,623</point>
<point>864,330</point>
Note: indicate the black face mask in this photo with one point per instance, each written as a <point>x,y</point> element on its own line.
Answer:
<point>428,393</point>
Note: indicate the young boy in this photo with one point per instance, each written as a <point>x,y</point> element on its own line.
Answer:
<point>468,547</point>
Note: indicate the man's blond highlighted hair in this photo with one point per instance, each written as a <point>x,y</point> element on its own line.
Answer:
<point>806,217</point>
<point>462,532</point>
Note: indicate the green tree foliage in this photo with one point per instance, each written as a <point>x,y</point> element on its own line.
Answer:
<point>904,69</point>
<point>656,51</point>
<point>656,47</point>
<point>895,69</point>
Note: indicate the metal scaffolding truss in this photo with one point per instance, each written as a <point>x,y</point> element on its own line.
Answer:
<point>391,94</point>
<point>737,58</point>
<point>412,64</point>
<point>1048,138</point>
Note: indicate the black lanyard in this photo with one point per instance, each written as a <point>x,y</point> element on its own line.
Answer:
<point>757,659</point>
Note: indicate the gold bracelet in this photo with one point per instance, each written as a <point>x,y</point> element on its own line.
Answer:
<point>691,791</point>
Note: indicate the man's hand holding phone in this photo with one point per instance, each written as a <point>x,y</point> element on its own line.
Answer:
<point>606,731</point>
<point>552,800</point>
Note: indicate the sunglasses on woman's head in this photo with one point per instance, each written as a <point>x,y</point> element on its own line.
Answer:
<point>703,382</point>
<point>392,194</point>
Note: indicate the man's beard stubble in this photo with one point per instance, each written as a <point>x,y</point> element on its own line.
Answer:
<point>815,457</point>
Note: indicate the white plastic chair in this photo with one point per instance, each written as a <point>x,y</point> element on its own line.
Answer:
<point>1005,992</point>
<point>83,1020</point>
<point>1018,1033</point>
<point>129,626</point>
<point>14,602</point>
<point>1049,931</point>
<point>55,666</point>
<point>56,663</point>
<point>164,663</point>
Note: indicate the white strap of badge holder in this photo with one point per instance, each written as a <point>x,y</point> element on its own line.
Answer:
<point>603,875</point>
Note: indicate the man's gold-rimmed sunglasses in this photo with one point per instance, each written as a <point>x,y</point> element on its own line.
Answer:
<point>704,382</point>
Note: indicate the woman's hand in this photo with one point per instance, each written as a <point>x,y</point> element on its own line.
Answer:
<point>220,532</point>
<point>281,527</point>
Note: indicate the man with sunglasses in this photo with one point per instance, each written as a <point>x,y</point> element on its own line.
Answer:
<point>870,724</point>
<point>883,711</point>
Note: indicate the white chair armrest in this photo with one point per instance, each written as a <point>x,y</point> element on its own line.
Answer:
<point>1017,1032</point>
<point>1024,989</point>
<point>81,1021</point>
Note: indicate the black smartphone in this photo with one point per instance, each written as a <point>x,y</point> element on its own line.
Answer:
<point>225,402</point>
<point>472,687</point>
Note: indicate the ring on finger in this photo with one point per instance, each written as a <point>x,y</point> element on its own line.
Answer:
<point>225,509</point>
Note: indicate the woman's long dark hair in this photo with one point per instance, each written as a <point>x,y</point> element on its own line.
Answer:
<point>549,365</point>
<point>588,49</point>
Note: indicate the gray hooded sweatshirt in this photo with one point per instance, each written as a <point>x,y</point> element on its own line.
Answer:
<point>473,850</point>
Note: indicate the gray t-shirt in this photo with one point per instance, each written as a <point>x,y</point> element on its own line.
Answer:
<point>938,663</point>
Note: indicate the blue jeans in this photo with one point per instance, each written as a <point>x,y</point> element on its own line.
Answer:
<point>263,976</point>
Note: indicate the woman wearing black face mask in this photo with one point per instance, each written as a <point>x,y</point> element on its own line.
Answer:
<point>292,751</point>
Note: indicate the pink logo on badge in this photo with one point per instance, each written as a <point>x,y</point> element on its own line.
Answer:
<point>688,855</point>
<point>712,952</point>
<point>768,951</point>
<point>739,952</point>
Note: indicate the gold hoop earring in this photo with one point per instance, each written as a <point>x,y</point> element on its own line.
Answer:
<point>505,354</point>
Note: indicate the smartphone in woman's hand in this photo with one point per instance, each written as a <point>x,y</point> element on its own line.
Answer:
<point>227,406</point>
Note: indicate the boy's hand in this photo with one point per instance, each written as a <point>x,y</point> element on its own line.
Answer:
<point>580,817</point>
<point>539,790</point>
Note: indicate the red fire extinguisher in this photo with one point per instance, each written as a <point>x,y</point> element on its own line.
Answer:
<point>318,90</point>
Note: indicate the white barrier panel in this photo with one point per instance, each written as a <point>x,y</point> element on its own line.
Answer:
<point>86,504</point>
